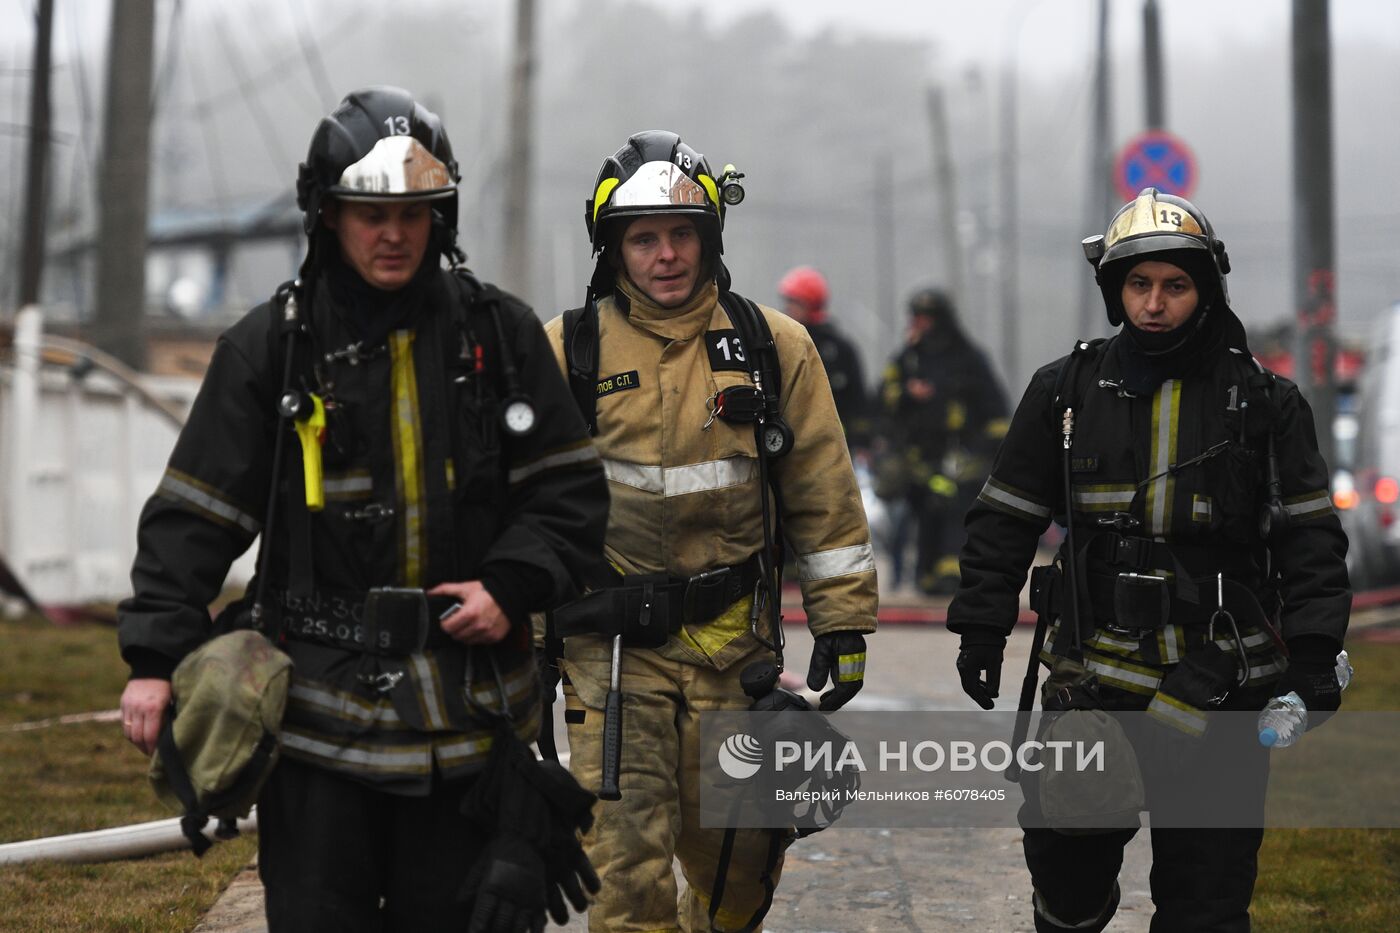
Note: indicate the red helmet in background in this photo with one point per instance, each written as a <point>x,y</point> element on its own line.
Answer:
<point>806,285</point>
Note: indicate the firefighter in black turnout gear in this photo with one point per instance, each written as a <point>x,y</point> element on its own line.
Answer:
<point>1195,485</point>
<point>400,436</point>
<point>944,412</point>
<point>805,296</point>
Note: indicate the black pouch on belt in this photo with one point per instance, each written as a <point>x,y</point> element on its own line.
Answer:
<point>396,620</point>
<point>640,612</point>
<point>1141,601</point>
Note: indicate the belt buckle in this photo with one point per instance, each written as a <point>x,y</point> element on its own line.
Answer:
<point>702,584</point>
<point>396,620</point>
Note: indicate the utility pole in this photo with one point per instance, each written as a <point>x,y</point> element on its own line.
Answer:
<point>519,153</point>
<point>1010,261</point>
<point>124,180</point>
<point>36,186</point>
<point>1099,195</point>
<point>947,192</point>
<point>1314,252</point>
<point>1153,78</point>
<point>884,246</point>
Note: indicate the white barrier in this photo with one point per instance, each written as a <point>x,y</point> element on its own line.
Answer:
<point>106,845</point>
<point>79,456</point>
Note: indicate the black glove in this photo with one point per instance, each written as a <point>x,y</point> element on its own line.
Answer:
<point>1312,674</point>
<point>841,656</point>
<point>506,889</point>
<point>980,654</point>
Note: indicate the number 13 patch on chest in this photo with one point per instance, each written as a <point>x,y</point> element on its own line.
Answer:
<point>619,383</point>
<point>726,352</point>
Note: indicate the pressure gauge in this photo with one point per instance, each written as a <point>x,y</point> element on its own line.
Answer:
<point>777,438</point>
<point>518,416</point>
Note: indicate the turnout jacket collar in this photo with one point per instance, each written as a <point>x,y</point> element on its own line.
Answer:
<point>679,323</point>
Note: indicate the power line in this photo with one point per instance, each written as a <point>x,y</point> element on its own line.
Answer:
<point>311,55</point>
<point>260,118</point>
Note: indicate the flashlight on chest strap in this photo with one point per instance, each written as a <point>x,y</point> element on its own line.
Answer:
<point>308,415</point>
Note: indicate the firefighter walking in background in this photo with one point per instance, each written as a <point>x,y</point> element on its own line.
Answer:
<point>943,414</point>
<point>721,442</point>
<point>399,435</point>
<point>805,296</point>
<point>1210,565</point>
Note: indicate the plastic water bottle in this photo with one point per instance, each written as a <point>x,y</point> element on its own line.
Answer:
<point>1284,719</point>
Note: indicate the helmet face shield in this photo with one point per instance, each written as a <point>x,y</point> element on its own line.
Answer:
<point>396,167</point>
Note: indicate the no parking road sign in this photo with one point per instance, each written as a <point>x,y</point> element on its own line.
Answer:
<point>1156,159</point>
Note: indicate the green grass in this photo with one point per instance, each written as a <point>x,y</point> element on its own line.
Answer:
<point>76,778</point>
<point>1316,880</point>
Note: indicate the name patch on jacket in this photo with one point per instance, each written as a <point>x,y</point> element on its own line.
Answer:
<point>619,383</point>
<point>1084,465</point>
<point>726,352</point>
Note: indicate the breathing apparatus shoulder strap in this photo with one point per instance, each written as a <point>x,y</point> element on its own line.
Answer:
<point>757,339</point>
<point>581,355</point>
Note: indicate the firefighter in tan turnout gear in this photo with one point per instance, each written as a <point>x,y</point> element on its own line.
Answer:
<point>662,360</point>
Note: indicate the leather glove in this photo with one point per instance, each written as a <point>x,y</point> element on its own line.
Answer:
<point>979,665</point>
<point>1312,674</point>
<point>506,889</point>
<point>841,656</point>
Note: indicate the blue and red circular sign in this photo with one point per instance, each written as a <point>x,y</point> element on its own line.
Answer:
<point>1156,159</point>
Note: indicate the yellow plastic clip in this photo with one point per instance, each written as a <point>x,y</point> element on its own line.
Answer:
<point>311,431</point>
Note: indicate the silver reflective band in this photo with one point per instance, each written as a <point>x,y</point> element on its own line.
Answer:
<point>180,486</point>
<point>840,562</point>
<point>682,480</point>
<point>415,759</point>
<point>1309,504</point>
<point>585,454</point>
<point>1003,497</point>
<point>658,184</point>
<point>397,166</point>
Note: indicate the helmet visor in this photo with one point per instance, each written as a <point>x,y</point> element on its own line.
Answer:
<point>655,187</point>
<point>397,167</point>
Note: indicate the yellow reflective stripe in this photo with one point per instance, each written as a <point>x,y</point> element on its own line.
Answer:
<point>1012,501</point>
<point>408,445</point>
<point>409,759</point>
<point>1131,677</point>
<point>710,187</point>
<point>1177,714</point>
<point>1201,508</point>
<point>327,701</point>
<point>850,667</point>
<point>205,500</point>
<point>600,197</point>
<point>429,693</point>
<point>1103,497</point>
<point>1166,409</point>
<point>1309,505</point>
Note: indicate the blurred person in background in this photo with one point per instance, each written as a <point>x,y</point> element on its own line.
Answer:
<point>1211,568</point>
<point>662,360</point>
<point>943,412</point>
<point>450,490</point>
<point>805,296</point>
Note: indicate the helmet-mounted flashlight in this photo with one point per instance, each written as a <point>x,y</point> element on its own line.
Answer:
<point>729,188</point>
<point>1093,248</point>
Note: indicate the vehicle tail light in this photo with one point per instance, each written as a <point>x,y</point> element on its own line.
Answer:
<point>1387,490</point>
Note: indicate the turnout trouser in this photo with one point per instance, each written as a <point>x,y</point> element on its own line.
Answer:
<point>634,840</point>
<point>1202,878</point>
<point>338,856</point>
